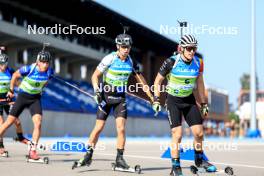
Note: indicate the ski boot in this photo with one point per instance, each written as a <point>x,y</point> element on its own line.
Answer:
<point>3,152</point>
<point>121,163</point>
<point>122,166</point>
<point>33,157</point>
<point>85,161</point>
<point>176,167</point>
<point>176,171</point>
<point>200,162</point>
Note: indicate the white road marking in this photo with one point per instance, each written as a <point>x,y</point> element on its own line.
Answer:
<point>157,158</point>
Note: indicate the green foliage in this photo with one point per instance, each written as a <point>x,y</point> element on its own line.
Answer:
<point>232,116</point>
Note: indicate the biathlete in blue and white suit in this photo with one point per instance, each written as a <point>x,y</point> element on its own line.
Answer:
<point>34,79</point>
<point>5,103</point>
<point>184,72</point>
<point>115,68</point>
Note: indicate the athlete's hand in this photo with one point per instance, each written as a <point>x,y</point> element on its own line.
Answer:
<point>9,95</point>
<point>156,105</point>
<point>204,109</point>
<point>98,97</point>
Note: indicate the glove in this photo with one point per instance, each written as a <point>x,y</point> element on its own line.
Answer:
<point>156,105</point>
<point>10,95</point>
<point>204,109</point>
<point>98,97</point>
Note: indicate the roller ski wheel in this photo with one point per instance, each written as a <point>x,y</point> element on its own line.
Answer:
<point>136,169</point>
<point>229,170</point>
<point>4,154</point>
<point>195,170</point>
<point>44,160</point>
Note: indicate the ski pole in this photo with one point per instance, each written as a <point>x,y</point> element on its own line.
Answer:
<point>73,86</point>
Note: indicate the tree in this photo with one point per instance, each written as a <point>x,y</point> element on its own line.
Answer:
<point>234,116</point>
<point>245,82</point>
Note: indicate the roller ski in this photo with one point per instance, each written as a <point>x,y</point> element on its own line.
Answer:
<point>85,161</point>
<point>196,170</point>
<point>121,165</point>
<point>3,153</point>
<point>28,142</point>
<point>203,166</point>
<point>34,158</point>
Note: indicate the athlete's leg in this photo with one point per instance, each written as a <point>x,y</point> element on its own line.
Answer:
<point>195,121</point>
<point>121,140</point>
<point>2,147</point>
<point>121,132</point>
<point>18,126</point>
<point>120,113</point>
<point>98,128</point>
<point>176,135</point>
<point>19,131</point>
<point>36,112</point>
<point>37,119</point>
<point>198,135</point>
<point>9,121</point>
<point>1,120</point>
<point>175,120</point>
<point>16,109</point>
<point>102,115</point>
<point>35,109</point>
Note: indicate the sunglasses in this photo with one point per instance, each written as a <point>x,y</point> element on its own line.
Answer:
<point>125,46</point>
<point>191,48</point>
<point>5,63</point>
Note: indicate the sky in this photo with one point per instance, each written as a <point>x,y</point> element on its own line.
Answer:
<point>226,53</point>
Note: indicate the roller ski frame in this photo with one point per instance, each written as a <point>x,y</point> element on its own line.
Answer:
<point>40,146</point>
<point>136,169</point>
<point>196,170</point>
<point>44,160</point>
<point>5,154</point>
